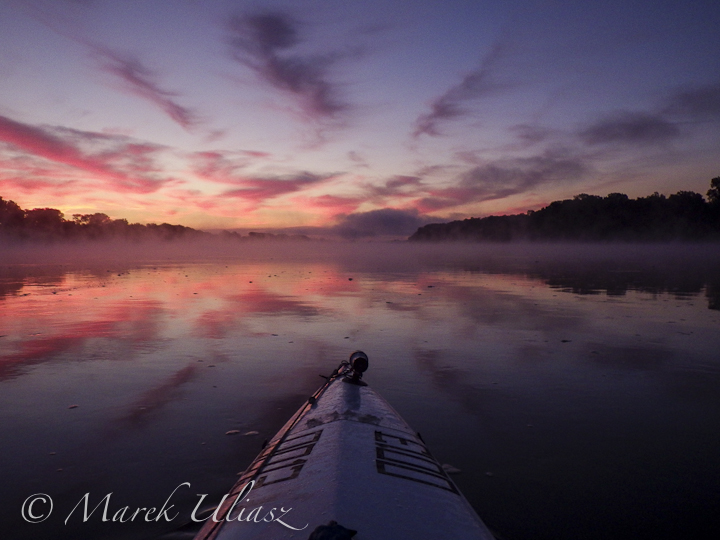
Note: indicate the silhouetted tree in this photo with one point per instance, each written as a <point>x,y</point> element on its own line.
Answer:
<point>92,220</point>
<point>50,224</point>
<point>11,215</point>
<point>45,222</point>
<point>713,193</point>
<point>682,216</point>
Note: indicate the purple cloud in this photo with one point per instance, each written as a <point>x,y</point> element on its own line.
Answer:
<point>452,104</point>
<point>399,185</point>
<point>630,128</point>
<point>702,102</point>
<point>503,179</point>
<point>264,42</point>
<point>260,189</point>
<point>140,80</point>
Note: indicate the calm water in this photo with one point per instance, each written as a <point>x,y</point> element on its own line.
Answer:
<point>577,389</point>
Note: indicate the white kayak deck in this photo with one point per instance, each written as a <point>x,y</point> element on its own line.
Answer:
<point>346,456</point>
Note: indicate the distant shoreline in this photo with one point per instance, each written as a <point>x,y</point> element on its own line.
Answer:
<point>685,216</point>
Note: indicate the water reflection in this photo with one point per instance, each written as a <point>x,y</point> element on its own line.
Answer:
<point>563,383</point>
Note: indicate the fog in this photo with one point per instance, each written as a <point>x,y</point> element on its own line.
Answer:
<point>12,252</point>
<point>381,256</point>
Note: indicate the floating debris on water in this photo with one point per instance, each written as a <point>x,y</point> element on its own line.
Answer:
<point>248,433</point>
<point>450,469</point>
<point>73,406</point>
<point>232,432</point>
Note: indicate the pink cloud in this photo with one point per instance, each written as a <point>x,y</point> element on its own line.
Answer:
<point>191,198</point>
<point>14,185</point>
<point>261,189</point>
<point>124,166</point>
<point>226,168</point>
<point>330,205</point>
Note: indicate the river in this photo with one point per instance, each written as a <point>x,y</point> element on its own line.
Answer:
<point>575,388</point>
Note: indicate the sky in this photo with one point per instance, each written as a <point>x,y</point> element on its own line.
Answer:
<point>353,117</point>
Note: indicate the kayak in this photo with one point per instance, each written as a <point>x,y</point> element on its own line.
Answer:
<point>345,465</point>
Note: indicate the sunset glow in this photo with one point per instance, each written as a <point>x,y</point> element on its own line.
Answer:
<point>313,116</point>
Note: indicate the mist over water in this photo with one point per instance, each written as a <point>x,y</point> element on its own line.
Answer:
<point>575,386</point>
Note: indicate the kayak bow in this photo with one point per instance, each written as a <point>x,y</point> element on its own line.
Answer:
<point>346,465</point>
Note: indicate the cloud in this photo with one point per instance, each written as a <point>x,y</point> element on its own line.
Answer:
<point>28,174</point>
<point>528,134</point>
<point>397,186</point>
<point>229,168</point>
<point>702,102</point>
<point>630,128</point>
<point>452,104</point>
<point>124,165</point>
<point>264,42</point>
<point>397,183</point>
<point>224,167</point>
<point>345,206</point>
<point>140,80</point>
<point>383,222</point>
<point>358,159</point>
<point>31,185</point>
<point>501,179</point>
<point>328,205</point>
<point>260,189</point>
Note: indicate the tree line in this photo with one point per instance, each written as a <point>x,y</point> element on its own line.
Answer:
<point>49,224</point>
<point>686,216</point>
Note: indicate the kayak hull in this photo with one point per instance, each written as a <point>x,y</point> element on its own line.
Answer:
<point>346,456</point>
